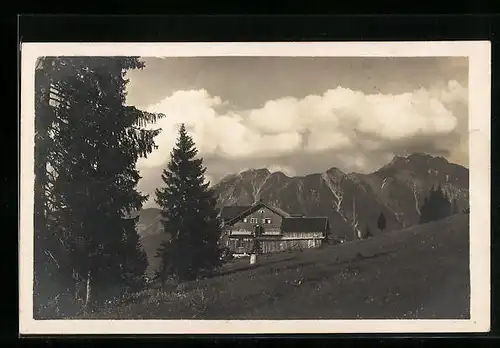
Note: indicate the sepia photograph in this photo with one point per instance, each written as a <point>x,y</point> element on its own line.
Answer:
<point>255,188</point>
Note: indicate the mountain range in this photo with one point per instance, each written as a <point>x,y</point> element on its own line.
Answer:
<point>397,190</point>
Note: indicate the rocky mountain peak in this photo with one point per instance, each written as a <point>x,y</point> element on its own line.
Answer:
<point>352,202</point>
<point>397,189</point>
<point>255,172</point>
<point>334,172</point>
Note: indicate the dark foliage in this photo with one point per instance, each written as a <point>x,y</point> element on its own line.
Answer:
<point>381,222</point>
<point>86,147</point>
<point>189,214</point>
<point>436,206</point>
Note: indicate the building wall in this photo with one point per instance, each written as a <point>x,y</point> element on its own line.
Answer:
<point>259,215</point>
<point>273,246</point>
<point>303,235</point>
<point>240,245</point>
<point>245,244</point>
<point>239,237</point>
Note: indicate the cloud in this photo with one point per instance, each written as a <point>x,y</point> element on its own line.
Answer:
<point>350,124</point>
<point>225,134</point>
<point>333,117</point>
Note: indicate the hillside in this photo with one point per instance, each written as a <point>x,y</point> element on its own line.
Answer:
<point>150,230</point>
<point>149,222</point>
<point>397,190</point>
<point>421,272</point>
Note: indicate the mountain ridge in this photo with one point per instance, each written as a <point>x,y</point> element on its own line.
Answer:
<point>396,189</point>
<point>352,201</point>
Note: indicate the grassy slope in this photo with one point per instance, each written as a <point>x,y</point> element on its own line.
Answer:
<point>419,272</point>
<point>150,244</point>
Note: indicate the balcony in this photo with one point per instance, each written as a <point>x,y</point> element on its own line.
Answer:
<point>240,232</point>
<point>271,232</point>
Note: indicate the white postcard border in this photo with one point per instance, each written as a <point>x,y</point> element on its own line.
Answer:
<point>479,54</point>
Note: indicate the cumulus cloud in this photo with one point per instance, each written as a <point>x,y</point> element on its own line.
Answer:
<point>339,120</point>
<point>225,134</point>
<point>335,116</point>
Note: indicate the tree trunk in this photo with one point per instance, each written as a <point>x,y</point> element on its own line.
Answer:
<point>88,292</point>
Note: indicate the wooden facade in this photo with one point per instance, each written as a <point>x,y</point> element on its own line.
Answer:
<point>264,229</point>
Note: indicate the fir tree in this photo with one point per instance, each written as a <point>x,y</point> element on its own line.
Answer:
<point>95,143</point>
<point>381,222</point>
<point>52,276</point>
<point>425,209</point>
<point>435,206</point>
<point>189,215</point>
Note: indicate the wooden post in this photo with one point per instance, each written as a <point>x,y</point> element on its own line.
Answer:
<point>253,258</point>
<point>255,246</point>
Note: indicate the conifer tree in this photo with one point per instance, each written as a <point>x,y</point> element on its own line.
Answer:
<point>189,215</point>
<point>425,209</point>
<point>381,222</point>
<point>95,143</point>
<point>435,206</point>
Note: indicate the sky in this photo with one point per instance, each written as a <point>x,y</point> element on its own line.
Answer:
<point>303,115</point>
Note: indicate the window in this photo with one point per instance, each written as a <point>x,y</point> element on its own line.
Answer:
<point>267,220</point>
<point>261,211</point>
<point>253,220</point>
<point>245,220</point>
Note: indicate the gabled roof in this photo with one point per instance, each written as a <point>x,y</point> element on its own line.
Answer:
<point>231,211</point>
<point>255,207</point>
<point>304,224</point>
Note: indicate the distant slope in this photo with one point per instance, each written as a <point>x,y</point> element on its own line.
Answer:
<point>150,230</point>
<point>150,244</point>
<point>421,272</point>
<point>403,183</point>
<point>149,222</point>
<point>397,190</point>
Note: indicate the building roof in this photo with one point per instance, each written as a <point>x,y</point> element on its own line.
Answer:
<point>290,223</point>
<point>304,224</point>
<point>232,211</point>
<point>251,209</point>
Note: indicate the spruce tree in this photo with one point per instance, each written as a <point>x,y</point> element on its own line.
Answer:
<point>52,274</point>
<point>189,215</point>
<point>425,210</point>
<point>436,206</point>
<point>443,204</point>
<point>381,222</point>
<point>95,143</point>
